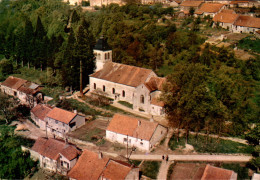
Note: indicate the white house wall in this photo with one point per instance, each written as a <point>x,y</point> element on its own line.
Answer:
<point>133,174</point>
<point>142,90</point>
<point>239,29</point>
<point>120,138</point>
<point>49,163</point>
<point>39,122</point>
<point>79,120</point>
<point>119,88</point>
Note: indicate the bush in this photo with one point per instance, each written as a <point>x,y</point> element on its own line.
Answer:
<point>150,169</point>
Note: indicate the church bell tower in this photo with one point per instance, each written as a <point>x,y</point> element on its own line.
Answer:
<point>102,52</point>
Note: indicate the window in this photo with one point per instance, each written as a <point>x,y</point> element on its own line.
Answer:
<point>95,86</point>
<point>104,88</point>
<point>141,143</point>
<point>98,56</point>
<point>56,122</point>
<point>113,90</point>
<point>108,55</point>
<point>61,163</point>
<point>123,93</point>
<point>125,139</point>
<point>105,55</point>
<point>142,99</point>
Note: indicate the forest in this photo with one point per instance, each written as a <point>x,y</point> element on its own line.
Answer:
<point>208,88</point>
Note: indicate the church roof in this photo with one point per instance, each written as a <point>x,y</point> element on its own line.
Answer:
<point>123,74</point>
<point>102,44</point>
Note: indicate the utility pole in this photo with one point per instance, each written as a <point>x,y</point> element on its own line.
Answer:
<point>81,80</point>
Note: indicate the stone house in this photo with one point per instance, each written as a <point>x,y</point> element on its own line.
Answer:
<point>209,9</point>
<point>59,121</point>
<point>94,166</point>
<point>56,155</point>
<point>27,92</point>
<point>39,113</point>
<point>185,6</point>
<point>123,82</point>
<point>246,24</point>
<point>138,133</point>
<point>225,20</point>
<point>243,4</point>
<point>146,96</point>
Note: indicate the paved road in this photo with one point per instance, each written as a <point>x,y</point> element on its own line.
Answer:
<point>207,158</point>
<point>163,170</point>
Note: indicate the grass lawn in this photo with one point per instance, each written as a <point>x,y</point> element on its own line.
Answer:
<point>95,136</point>
<point>150,168</point>
<point>127,104</point>
<point>250,44</point>
<point>135,162</point>
<point>213,146</point>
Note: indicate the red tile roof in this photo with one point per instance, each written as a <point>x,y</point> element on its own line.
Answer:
<point>61,115</point>
<point>123,74</point>
<point>116,171</point>
<point>41,110</point>
<point>156,102</point>
<point>210,7</point>
<point>51,148</point>
<point>70,152</point>
<point>133,127</point>
<point>237,2</point>
<point>88,166</point>
<point>213,173</point>
<point>229,11</point>
<point>13,82</point>
<point>225,17</point>
<point>155,83</point>
<point>191,3</point>
<point>248,21</point>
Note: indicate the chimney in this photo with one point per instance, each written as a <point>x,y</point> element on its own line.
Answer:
<point>139,123</point>
<point>75,111</point>
<point>100,155</point>
<point>151,119</point>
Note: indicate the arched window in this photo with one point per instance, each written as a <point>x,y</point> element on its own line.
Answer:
<point>108,55</point>
<point>98,56</point>
<point>105,55</point>
<point>113,90</point>
<point>104,88</point>
<point>95,86</point>
<point>123,93</point>
<point>142,99</point>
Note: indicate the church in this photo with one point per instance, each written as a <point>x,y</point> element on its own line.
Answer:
<point>135,85</point>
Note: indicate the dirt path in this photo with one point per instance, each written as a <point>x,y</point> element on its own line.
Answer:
<point>162,175</point>
<point>206,158</point>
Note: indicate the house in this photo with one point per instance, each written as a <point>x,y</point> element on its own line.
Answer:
<point>27,92</point>
<point>123,82</point>
<point>38,115</point>
<point>94,166</point>
<point>212,173</point>
<point>59,121</point>
<point>241,4</point>
<point>73,2</point>
<point>201,171</point>
<point>246,24</point>
<point>56,155</point>
<point>146,96</point>
<point>209,9</point>
<point>187,5</point>
<point>225,20</point>
<point>135,132</point>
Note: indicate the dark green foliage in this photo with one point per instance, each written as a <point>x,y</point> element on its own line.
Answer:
<point>6,67</point>
<point>150,169</point>
<point>250,43</point>
<point>15,164</point>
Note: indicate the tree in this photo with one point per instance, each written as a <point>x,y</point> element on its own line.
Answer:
<point>6,108</point>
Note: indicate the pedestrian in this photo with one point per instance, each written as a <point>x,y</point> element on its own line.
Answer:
<point>162,157</point>
<point>167,158</point>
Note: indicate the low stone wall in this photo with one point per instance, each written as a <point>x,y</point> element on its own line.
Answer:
<point>34,155</point>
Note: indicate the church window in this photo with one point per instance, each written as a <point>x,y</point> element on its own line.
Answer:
<point>105,55</point>
<point>113,90</point>
<point>98,56</point>
<point>142,99</point>
<point>123,93</point>
<point>108,55</point>
<point>95,86</point>
<point>104,88</point>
